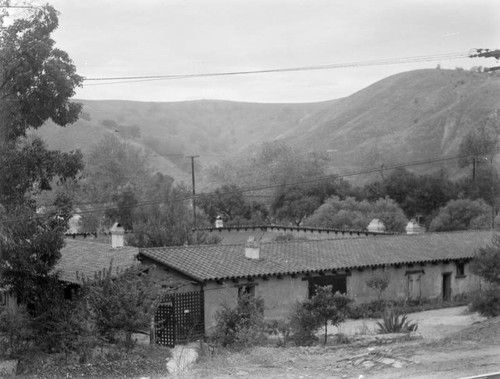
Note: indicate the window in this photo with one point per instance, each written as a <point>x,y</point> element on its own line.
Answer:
<point>247,289</point>
<point>338,283</point>
<point>460,270</point>
<point>3,298</point>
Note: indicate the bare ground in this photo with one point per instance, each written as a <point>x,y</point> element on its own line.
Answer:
<point>454,344</point>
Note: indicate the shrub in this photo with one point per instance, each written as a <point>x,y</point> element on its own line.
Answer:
<point>487,302</point>
<point>16,331</point>
<point>321,309</point>
<point>393,321</point>
<point>303,324</point>
<point>379,283</point>
<point>241,326</point>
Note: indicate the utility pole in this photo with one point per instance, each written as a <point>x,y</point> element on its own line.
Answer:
<point>194,188</point>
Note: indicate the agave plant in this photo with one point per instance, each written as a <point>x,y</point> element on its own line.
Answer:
<point>393,321</point>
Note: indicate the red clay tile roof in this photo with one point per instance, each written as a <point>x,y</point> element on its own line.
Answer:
<point>218,262</point>
<point>86,258</point>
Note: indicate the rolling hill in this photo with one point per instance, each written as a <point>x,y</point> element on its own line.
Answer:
<point>406,117</point>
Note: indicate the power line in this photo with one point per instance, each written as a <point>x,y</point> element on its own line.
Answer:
<point>258,188</point>
<point>382,62</point>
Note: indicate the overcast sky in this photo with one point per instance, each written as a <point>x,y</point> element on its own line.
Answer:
<point>117,38</point>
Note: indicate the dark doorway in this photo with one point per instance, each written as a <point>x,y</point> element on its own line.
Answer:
<point>447,286</point>
<point>338,283</point>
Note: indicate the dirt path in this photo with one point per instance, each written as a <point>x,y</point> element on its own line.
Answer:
<point>457,355</point>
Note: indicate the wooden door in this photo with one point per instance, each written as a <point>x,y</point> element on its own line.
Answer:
<point>414,292</point>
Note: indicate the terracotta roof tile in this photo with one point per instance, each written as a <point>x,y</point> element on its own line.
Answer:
<point>214,262</point>
<point>87,258</point>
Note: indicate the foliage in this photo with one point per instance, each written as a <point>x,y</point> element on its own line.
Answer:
<point>417,195</point>
<point>30,250</point>
<point>321,309</point>
<point>330,307</point>
<point>241,326</point>
<point>303,324</point>
<point>487,302</point>
<point>352,214</point>
<point>121,303</point>
<point>37,79</point>
<point>462,214</point>
<point>393,321</point>
<point>379,283</point>
<point>482,141</point>
<point>486,263</point>
<point>229,202</point>
<point>16,331</point>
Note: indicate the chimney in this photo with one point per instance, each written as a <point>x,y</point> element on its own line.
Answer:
<point>117,233</point>
<point>252,248</point>
<point>376,226</point>
<point>414,227</point>
<point>218,222</point>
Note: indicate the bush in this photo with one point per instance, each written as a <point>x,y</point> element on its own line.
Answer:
<point>393,321</point>
<point>321,309</point>
<point>487,302</point>
<point>303,324</point>
<point>15,330</point>
<point>242,326</point>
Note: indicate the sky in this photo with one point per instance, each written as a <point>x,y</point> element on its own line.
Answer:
<point>120,38</point>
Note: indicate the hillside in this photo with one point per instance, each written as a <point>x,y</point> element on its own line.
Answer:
<point>407,117</point>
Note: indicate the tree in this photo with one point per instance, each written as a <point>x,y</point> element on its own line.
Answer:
<point>37,80</point>
<point>352,214</point>
<point>379,283</point>
<point>321,309</point>
<point>294,204</point>
<point>462,214</point>
<point>486,264</point>
<point>120,303</point>
<point>329,307</point>
<point>36,84</point>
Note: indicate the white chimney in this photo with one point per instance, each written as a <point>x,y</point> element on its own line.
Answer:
<point>413,227</point>
<point>376,226</point>
<point>252,248</point>
<point>218,222</point>
<point>117,233</point>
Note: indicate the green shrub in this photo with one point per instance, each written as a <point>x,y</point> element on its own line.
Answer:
<point>393,321</point>
<point>487,302</point>
<point>241,326</point>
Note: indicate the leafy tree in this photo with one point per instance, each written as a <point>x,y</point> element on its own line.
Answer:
<point>125,201</point>
<point>329,307</point>
<point>37,81</point>
<point>294,205</point>
<point>352,214</point>
<point>120,303</point>
<point>462,214</point>
<point>486,264</point>
<point>321,309</point>
<point>481,142</point>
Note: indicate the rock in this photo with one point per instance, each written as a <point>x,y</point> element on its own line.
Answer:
<point>8,368</point>
<point>183,356</point>
<point>368,364</point>
<point>387,361</point>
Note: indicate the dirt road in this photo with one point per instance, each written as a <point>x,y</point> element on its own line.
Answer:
<point>454,344</point>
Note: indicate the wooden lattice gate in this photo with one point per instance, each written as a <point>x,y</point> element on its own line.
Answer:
<point>180,318</point>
